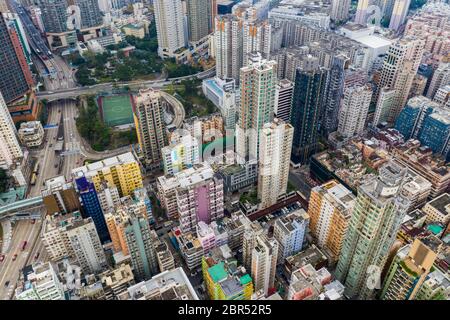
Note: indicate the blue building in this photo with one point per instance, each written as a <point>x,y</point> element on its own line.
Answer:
<point>436,132</point>
<point>307,109</point>
<point>428,122</point>
<point>92,208</point>
<point>410,120</point>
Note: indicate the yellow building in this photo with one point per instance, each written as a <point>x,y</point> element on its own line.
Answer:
<point>330,207</point>
<point>438,209</point>
<point>221,282</point>
<point>122,171</point>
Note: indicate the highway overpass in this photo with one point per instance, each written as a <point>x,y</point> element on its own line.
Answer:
<point>73,93</point>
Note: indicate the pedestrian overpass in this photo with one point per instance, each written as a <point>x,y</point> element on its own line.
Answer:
<point>30,208</point>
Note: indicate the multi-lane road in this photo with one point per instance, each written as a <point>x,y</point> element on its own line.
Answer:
<point>16,258</point>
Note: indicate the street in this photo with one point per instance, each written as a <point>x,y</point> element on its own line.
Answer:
<point>23,230</point>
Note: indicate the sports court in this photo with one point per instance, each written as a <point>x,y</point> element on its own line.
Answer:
<point>116,110</point>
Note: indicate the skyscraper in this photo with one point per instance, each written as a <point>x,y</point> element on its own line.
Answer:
<point>354,108</point>
<point>90,13</point>
<point>274,160</point>
<point>256,38</point>
<point>340,10</point>
<point>330,208</point>
<point>284,92</point>
<point>410,268</point>
<point>376,218</point>
<point>169,26</point>
<point>334,87</point>
<point>399,13</point>
<point>398,71</point>
<point>307,109</point>
<point>441,77</point>
<point>264,263</point>
<point>92,207</point>
<point>258,81</point>
<point>228,46</point>
<point>198,19</point>
<point>140,247</point>
<point>14,82</point>
<point>10,151</point>
<point>150,126</point>
<point>361,11</point>
<point>54,15</point>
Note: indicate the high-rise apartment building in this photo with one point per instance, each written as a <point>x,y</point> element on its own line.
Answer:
<point>198,19</point>
<point>228,46</point>
<point>150,126</point>
<point>108,196</point>
<point>10,151</point>
<point>375,220</point>
<point>399,12</point>
<point>182,153</point>
<point>15,79</point>
<point>354,108</point>
<point>284,92</point>
<point>441,78</point>
<point>192,195</point>
<point>307,109</point>
<point>264,263</point>
<point>258,80</point>
<point>140,247</point>
<point>89,13</point>
<point>274,159</point>
<point>361,11</point>
<point>330,208</point>
<point>92,207</point>
<point>410,268</point>
<point>170,29</point>
<point>397,73</point>
<point>339,10</point>
<point>121,171</point>
<point>290,232</point>
<point>86,245</point>
<point>256,38</point>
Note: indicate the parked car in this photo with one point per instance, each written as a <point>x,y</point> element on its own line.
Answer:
<point>2,257</point>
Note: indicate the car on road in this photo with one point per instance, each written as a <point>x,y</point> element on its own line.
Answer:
<point>14,257</point>
<point>36,256</point>
<point>2,257</point>
<point>51,145</point>
<point>33,221</point>
<point>7,283</point>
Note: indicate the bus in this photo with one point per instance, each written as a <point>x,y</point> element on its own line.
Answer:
<point>33,179</point>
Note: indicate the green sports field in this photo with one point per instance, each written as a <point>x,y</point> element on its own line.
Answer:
<point>116,110</point>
